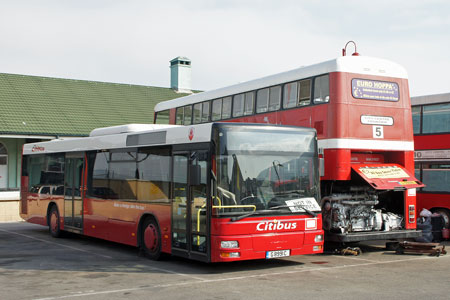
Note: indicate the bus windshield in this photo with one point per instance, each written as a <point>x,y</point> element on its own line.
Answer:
<point>264,171</point>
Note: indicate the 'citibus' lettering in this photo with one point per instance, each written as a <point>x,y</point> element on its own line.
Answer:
<point>264,226</point>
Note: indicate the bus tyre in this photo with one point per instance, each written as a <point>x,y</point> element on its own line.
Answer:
<point>445,213</point>
<point>151,239</point>
<point>53,222</point>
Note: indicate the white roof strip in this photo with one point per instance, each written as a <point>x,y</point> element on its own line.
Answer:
<point>350,64</point>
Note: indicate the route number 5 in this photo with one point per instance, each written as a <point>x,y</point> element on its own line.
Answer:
<point>378,132</point>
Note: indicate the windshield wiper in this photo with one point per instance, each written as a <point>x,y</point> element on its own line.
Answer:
<point>297,205</point>
<point>255,212</point>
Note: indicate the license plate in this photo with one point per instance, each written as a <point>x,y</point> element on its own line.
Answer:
<point>278,253</point>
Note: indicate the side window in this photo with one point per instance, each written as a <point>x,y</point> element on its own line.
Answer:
<point>162,117</point>
<point>188,115</point>
<point>321,89</point>
<point>249,102</point>
<point>304,92</point>
<point>205,111</point>
<point>197,113</point>
<point>226,108</point>
<point>216,112</point>
<point>290,95</point>
<point>154,175</point>
<point>238,105</point>
<point>45,170</point>
<point>113,175</point>
<point>262,100</point>
<point>180,116</point>
<point>436,118</point>
<point>275,98</point>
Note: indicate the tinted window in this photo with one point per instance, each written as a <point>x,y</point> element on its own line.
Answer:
<point>180,116</point>
<point>275,98</point>
<point>321,89</point>
<point>416,118</point>
<point>249,102</point>
<point>112,175</point>
<point>436,118</point>
<point>216,112</point>
<point>45,170</point>
<point>162,117</point>
<point>262,100</point>
<point>153,171</point>
<point>290,95</point>
<point>188,115</point>
<point>305,92</point>
<point>205,111</point>
<point>436,177</point>
<point>226,108</point>
<point>197,113</point>
<point>238,105</point>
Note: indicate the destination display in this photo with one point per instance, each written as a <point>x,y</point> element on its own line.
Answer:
<point>375,90</point>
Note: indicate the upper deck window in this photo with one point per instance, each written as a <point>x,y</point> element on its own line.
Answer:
<point>436,118</point>
<point>416,118</point>
<point>321,89</point>
<point>216,113</point>
<point>238,105</point>
<point>226,108</point>
<point>290,94</point>
<point>262,100</point>
<point>188,115</point>
<point>275,98</point>
<point>305,92</point>
<point>205,111</point>
<point>375,90</point>
<point>248,103</point>
<point>197,113</point>
<point>162,117</point>
<point>179,116</point>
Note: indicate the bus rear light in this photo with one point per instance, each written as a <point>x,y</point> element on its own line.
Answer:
<point>318,238</point>
<point>412,213</point>
<point>229,244</point>
<point>230,254</point>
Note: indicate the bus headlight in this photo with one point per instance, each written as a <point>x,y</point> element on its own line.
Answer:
<point>318,238</point>
<point>229,244</point>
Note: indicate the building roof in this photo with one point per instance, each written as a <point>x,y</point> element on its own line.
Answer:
<point>34,105</point>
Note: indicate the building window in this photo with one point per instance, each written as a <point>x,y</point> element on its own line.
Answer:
<point>3,167</point>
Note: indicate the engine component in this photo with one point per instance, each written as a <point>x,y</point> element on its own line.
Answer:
<point>355,213</point>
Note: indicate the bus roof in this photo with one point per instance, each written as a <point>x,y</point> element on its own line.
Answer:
<point>123,136</point>
<point>350,64</point>
<point>137,135</point>
<point>430,99</point>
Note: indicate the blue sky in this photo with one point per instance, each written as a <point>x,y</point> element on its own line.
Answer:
<point>227,41</point>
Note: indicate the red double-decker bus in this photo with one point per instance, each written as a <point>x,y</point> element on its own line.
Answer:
<point>360,107</point>
<point>431,119</point>
<point>211,192</point>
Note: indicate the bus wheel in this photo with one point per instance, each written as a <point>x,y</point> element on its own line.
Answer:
<point>53,223</point>
<point>151,239</point>
<point>445,214</point>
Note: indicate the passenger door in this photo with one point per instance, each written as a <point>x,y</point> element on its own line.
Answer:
<point>73,191</point>
<point>190,208</point>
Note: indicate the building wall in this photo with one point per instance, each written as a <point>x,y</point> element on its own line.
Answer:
<point>9,198</point>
